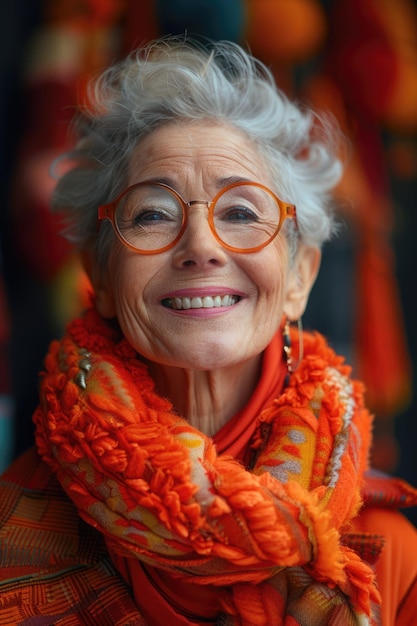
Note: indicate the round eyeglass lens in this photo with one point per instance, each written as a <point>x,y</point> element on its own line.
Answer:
<point>246,216</point>
<point>149,217</point>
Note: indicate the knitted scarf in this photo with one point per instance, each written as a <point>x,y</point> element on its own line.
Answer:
<point>265,534</point>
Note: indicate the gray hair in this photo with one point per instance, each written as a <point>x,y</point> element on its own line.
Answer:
<point>175,79</point>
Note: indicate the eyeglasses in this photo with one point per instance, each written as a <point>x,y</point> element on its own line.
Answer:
<point>150,218</point>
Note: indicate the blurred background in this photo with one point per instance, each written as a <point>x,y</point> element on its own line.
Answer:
<point>356,58</point>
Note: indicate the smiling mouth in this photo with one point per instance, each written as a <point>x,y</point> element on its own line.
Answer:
<point>206,302</point>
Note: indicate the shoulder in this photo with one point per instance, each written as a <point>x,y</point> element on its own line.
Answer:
<point>384,536</point>
<point>53,564</point>
<point>39,525</point>
<point>396,563</point>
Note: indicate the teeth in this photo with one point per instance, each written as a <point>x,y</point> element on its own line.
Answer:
<point>207,302</point>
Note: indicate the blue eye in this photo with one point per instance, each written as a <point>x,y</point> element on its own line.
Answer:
<point>239,214</point>
<point>150,216</point>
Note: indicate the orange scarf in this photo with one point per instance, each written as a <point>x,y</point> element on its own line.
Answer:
<point>265,536</point>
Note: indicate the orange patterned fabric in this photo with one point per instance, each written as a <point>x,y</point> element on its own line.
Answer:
<point>268,535</point>
<point>56,569</point>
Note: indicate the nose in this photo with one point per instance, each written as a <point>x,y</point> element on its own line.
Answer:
<point>198,246</point>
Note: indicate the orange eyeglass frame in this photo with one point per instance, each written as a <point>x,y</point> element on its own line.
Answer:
<point>108,212</point>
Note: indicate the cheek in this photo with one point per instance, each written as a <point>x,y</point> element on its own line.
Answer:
<point>132,277</point>
<point>270,273</point>
<point>123,278</point>
<point>272,285</point>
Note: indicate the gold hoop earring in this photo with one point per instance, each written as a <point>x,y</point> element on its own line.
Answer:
<point>288,352</point>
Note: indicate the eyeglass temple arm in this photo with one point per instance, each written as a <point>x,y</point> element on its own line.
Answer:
<point>105,212</point>
<point>291,211</point>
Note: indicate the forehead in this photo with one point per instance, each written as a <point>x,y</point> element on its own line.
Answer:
<point>202,148</point>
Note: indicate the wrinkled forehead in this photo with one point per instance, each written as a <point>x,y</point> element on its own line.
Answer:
<point>209,149</point>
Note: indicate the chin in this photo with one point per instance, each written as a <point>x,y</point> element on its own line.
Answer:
<point>213,359</point>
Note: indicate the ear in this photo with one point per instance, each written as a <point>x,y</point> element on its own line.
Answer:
<point>103,293</point>
<point>302,274</point>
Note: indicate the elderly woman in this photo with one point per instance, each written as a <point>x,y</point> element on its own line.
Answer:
<point>200,459</point>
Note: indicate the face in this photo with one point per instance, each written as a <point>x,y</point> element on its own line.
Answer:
<point>151,295</point>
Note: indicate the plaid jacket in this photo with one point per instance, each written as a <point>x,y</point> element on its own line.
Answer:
<point>54,567</point>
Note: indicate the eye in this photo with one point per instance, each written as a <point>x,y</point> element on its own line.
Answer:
<point>239,213</point>
<point>151,212</point>
<point>144,216</point>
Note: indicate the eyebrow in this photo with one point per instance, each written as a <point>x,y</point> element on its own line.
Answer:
<point>229,180</point>
<point>220,182</point>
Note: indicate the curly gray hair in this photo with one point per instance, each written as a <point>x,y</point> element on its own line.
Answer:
<point>177,79</point>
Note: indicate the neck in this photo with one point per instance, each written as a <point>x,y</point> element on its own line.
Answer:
<point>207,399</point>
